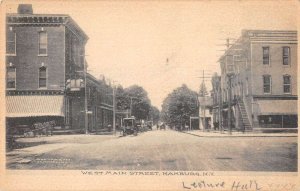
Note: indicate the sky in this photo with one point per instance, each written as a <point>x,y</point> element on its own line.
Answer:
<point>162,45</point>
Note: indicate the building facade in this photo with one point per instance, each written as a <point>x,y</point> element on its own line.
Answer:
<point>100,104</point>
<point>46,71</point>
<point>258,81</point>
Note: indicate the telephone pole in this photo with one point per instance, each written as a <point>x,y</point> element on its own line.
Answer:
<point>132,97</point>
<point>114,106</point>
<point>85,99</point>
<point>114,109</point>
<point>229,75</point>
<point>203,94</point>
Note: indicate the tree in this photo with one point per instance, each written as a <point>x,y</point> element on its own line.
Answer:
<point>154,114</point>
<point>138,100</point>
<point>135,98</point>
<point>178,106</point>
<point>122,102</point>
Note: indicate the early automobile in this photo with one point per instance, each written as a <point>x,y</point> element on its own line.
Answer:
<point>149,125</point>
<point>129,126</point>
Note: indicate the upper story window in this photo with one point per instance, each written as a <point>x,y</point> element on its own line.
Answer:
<point>11,42</point>
<point>43,77</point>
<point>266,55</point>
<point>267,84</point>
<point>286,84</point>
<point>11,78</point>
<point>286,55</point>
<point>43,43</point>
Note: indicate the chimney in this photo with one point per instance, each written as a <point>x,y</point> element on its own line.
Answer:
<point>25,9</point>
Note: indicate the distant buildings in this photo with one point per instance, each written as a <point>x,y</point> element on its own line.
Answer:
<point>45,78</point>
<point>262,66</point>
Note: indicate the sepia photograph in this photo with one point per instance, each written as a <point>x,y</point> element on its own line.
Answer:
<point>152,88</point>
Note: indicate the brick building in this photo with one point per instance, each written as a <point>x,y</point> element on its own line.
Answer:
<point>45,71</point>
<point>263,70</point>
<point>100,104</point>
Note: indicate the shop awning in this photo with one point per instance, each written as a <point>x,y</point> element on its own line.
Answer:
<point>278,107</point>
<point>34,106</point>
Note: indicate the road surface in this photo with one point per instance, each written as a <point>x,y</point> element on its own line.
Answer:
<point>159,150</point>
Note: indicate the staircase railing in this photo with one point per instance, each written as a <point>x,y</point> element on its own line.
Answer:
<point>244,119</point>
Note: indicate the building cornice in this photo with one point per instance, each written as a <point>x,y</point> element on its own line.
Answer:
<point>47,20</point>
<point>34,92</point>
<point>18,19</point>
<point>261,36</point>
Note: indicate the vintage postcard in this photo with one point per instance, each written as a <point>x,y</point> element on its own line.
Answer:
<point>149,95</point>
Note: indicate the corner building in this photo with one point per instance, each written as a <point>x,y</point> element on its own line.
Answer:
<point>264,81</point>
<point>45,59</point>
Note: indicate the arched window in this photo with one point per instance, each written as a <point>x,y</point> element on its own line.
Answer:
<point>42,77</point>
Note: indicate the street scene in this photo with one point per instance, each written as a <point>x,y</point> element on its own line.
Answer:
<point>158,150</point>
<point>150,92</point>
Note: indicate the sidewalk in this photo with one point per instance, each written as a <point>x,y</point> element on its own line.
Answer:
<point>200,133</point>
<point>61,139</point>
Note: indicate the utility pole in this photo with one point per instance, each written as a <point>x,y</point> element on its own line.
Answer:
<point>229,105</point>
<point>131,97</point>
<point>130,106</point>
<point>203,77</point>
<point>114,106</point>
<point>204,104</point>
<point>114,109</point>
<point>220,113</point>
<point>85,97</point>
<point>230,74</point>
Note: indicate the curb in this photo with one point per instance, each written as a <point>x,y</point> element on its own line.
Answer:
<point>230,136</point>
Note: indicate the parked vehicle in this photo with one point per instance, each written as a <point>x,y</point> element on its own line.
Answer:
<point>149,125</point>
<point>162,126</point>
<point>129,126</point>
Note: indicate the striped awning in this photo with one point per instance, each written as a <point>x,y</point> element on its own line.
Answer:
<point>34,106</point>
<point>278,107</point>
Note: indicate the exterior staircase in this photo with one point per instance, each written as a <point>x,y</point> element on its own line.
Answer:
<point>244,120</point>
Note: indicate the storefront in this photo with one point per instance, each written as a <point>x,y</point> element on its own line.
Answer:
<point>277,113</point>
<point>33,112</point>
